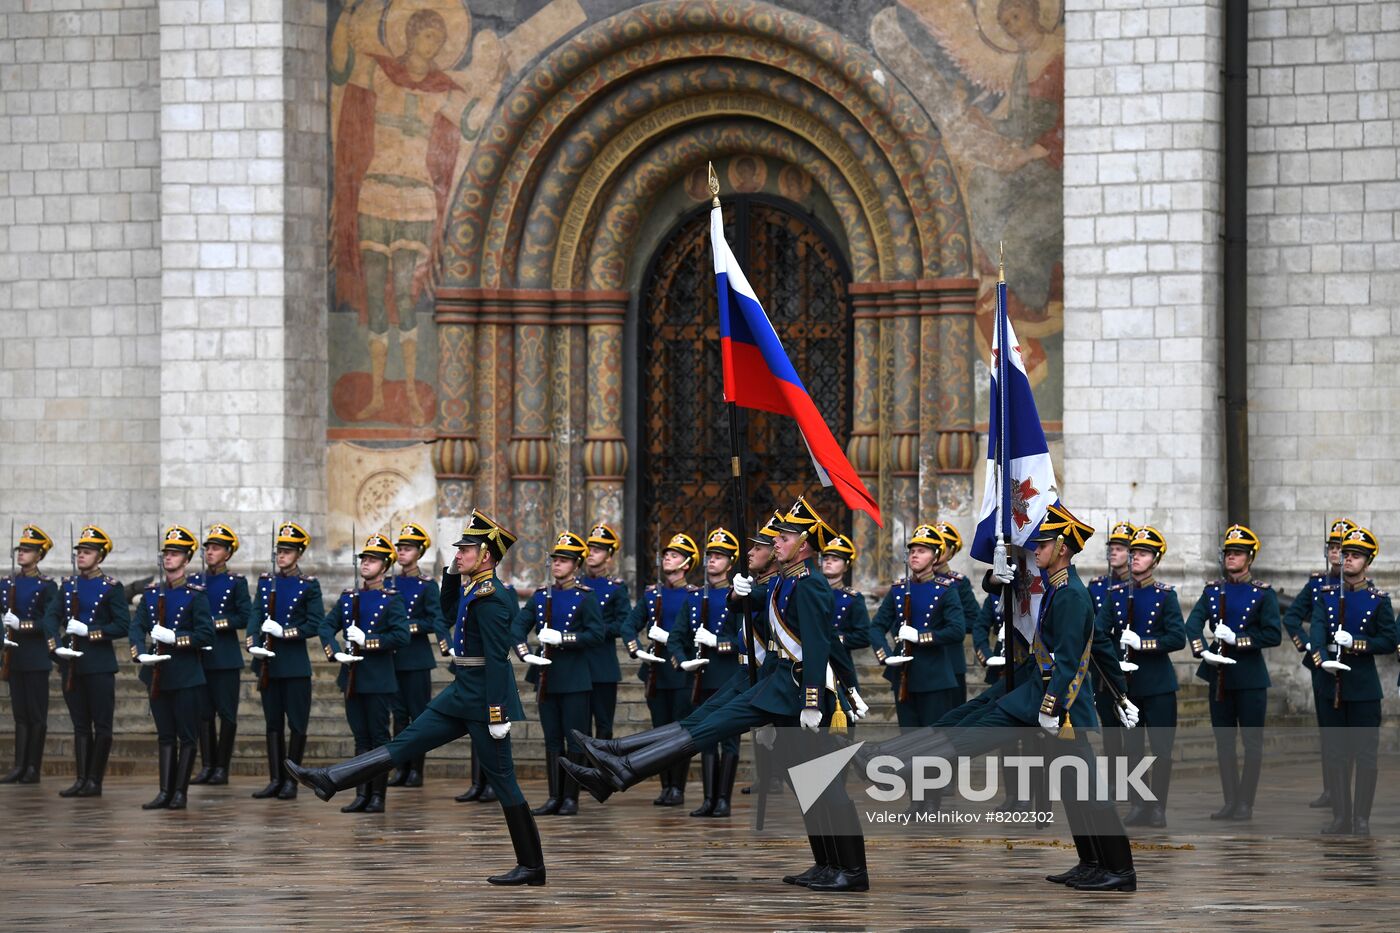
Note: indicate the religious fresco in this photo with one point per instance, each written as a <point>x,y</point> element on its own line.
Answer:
<point>503,171</point>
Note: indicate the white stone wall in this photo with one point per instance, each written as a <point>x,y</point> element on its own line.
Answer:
<point>1142,259</point>
<point>1324,276</point>
<point>243,280</point>
<point>80,270</point>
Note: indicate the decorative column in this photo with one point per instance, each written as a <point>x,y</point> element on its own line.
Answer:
<point>455,451</point>
<point>901,323</point>
<point>953,305</point>
<point>531,453</point>
<point>604,449</point>
<point>863,449</point>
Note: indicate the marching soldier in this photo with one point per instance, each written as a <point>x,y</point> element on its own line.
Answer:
<point>707,646</point>
<point>668,687</point>
<point>790,692</point>
<point>371,619</point>
<point>1143,618</point>
<point>1351,624</point>
<point>615,605</point>
<point>850,619</point>
<point>1296,622</point>
<point>31,633</point>
<point>415,661</point>
<point>232,610</point>
<point>993,663</point>
<point>171,628</point>
<point>481,702</point>
<point>92,613</point>
<point>952,544</point>
<point>1236,618</point>
<point>763,570</point>
<point>1119,537</point>
<point>925,617</point>
<point>289,604</point>
<point>565,619</point>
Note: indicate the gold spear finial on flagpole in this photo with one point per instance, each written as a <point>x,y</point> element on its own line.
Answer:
<point>1001,262</point>
<point>714,185</point>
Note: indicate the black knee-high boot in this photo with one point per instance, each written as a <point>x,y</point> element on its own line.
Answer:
<point>568,787</point>
<point>551,770</point>
<point>296,750</point>
<point>208,742</point>
<point>180,780</point>
<point>82,753</point>
<point>709,762</point>
<point>474,791</point>
<point>223,753</point>
<point>377,794</point>
<point>167,774</point>
<point>358,770</point>
<point>724,783</point>
<point>97,767</point>
<point>276,754</point>
<point>529,856</point>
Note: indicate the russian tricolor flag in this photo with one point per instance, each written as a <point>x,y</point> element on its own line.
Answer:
<point>758,374</point>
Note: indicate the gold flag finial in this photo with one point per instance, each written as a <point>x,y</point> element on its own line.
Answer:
<point>714,185</point>
<point>1001,262</point>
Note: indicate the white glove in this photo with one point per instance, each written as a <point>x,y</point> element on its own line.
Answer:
<point>1335,666</point>
<point>271,628</point>
<point>811,719</point>
<point>61,652</point>
<point>996,660</point>
<point>1343,638</point>
<point>909,633</point>
<point>10,644</point>
<point>163,635</point>
<point>11,620</point>
<point>536,660</point>
<point>648,656</point>
<point>354,635</point>
<point>549,636</point>
<point>1210,657</point>
<point>894,660</point>
<point>741,585</point>
<point>344,658</point>
<point>658,634</point>
<point>76,628</point>
<point>152,658</point>
<point>1050,724</point>
<point>1226,634</point>
<point>1127,713</point>
<point>765,735</point>
<point>498,730</point>
<point>1127,666</point>
<point>861,708</point>
<point>1130,639</point>
<point>704,636</point>
<point>258,651</point>
<point>1006,576</point>
<point>694,664</point>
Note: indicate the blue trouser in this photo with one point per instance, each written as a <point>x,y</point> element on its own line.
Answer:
<point>221,695</point>
<point>287,700</point>
<point>1243,710</point>
<point>414,694</point>
<point>559,713</point>
<point>176,713</point>
<point>925,707</point>
<point>368,715</point>
<point>602,707</point>
<point>669,706</point>
<point>92,704</point>
<point>433,730</point>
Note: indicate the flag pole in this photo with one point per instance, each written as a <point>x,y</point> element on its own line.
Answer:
<point>738,496</point>
<point>1000,560</point>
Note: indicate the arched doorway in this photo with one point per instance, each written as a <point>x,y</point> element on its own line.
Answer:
<point>683,440</point>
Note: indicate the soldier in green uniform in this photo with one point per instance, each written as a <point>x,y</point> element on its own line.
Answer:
<point>566,621</point>
<point>1352,623</point>
<point>91,612</point>
<point>952,544</point>
<point>706,644</point>
<point>168,635</point>
<point>791,691</point>
<point>481,702</point>
<point>1143,618</point>
<point>615,605</point>
<point>232,610</point>
<point>924,614</point>
<point>1296,621</point>
<point>668,687</point>
<point>414,662</point>
<point>29,600</point>
<point>1119,537</point>
<point>289,604</point>
<point>371,619</point>
<point>1234,620</point>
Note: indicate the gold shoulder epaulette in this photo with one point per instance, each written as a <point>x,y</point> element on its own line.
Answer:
<point>485,588</point>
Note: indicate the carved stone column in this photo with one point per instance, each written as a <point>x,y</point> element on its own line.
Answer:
<point>531,447</point>
<point>863,449</point>
<point>953,306</point>
<point>455,450</point>
<point>604,449</point>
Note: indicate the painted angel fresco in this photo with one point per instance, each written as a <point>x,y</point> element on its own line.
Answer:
<point>990,73</point>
